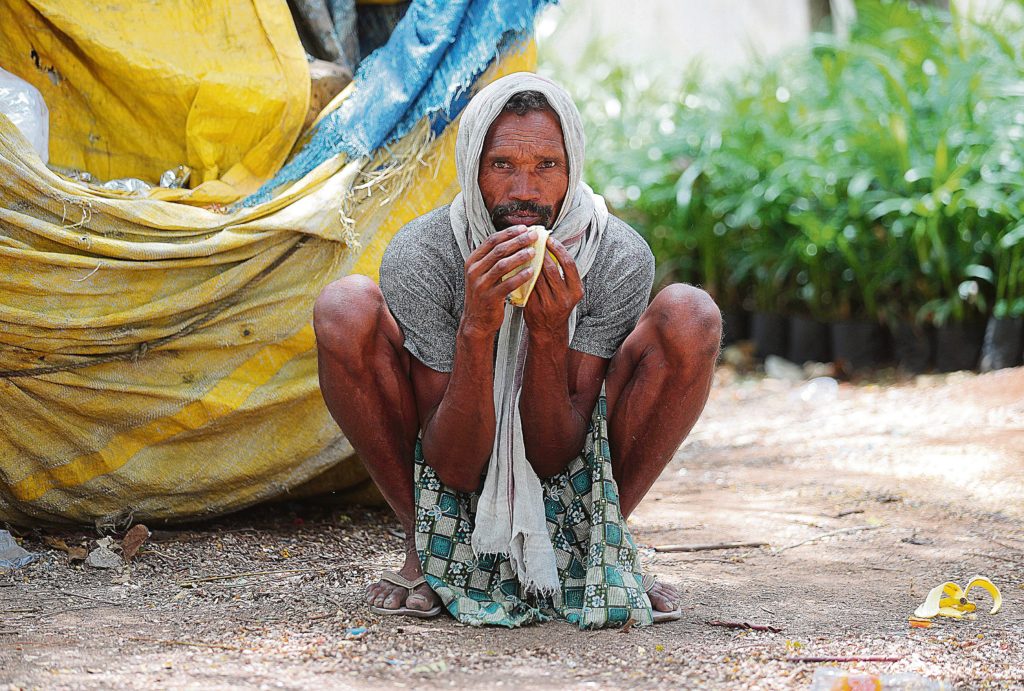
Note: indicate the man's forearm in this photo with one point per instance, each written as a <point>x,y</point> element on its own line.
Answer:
<point>553,430</point>
<point>459,437</point>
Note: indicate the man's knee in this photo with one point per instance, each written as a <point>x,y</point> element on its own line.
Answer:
<point>346,313</point>
<point>687,320</point>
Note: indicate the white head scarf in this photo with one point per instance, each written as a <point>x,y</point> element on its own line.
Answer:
<point>510,518</point>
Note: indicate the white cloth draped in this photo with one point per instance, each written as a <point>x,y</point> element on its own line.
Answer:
<point>510,518</point>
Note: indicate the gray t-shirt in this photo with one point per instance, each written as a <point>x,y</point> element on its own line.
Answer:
<point>423,281</point>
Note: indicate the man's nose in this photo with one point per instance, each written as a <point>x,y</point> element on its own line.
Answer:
<point>524,187</point>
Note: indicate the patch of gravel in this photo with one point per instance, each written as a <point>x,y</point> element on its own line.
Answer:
<point>929,472</point>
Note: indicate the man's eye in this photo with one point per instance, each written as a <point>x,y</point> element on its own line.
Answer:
<point>501,164</point>
<point>548,164</point>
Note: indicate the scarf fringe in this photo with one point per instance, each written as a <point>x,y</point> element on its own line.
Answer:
<point>547,585</point>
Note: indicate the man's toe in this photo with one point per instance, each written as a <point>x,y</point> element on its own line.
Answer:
<point>421,599</point>
<point>664,598</point>
<point>383,595</point>
<point>394,599</point>
<point>417,602</point>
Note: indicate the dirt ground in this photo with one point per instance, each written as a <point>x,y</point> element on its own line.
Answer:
<point>896,487</point>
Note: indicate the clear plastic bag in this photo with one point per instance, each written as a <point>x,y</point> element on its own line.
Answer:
<point>831,679</point>
<point>24,106</point>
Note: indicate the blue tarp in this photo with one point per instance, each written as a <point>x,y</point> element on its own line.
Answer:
<point>434,55</point>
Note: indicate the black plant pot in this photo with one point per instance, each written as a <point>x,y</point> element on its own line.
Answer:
<point>770,333</point>
<point>734,326</point>
<point>809,341</point>
<point>858,345</point>
<point>958,346</point>
<point>1003,343</point>
<point>913,346</point>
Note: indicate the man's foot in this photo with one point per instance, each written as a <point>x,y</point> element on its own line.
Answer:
<point>664,599</point>
<point>386,595</point>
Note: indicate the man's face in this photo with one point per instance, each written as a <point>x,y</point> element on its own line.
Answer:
<point>524,171</point>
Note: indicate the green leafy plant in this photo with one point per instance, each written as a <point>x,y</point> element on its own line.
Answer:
<point>876,178</point>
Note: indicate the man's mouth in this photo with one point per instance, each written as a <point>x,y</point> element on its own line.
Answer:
<point>521,213</point>
<point>521,217</point>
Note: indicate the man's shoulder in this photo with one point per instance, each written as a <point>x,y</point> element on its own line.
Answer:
<point>424,239</point>
<point>434,221</point>
<point>621,243</point>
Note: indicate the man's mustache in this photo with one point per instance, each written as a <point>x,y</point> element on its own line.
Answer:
<point>540,210</point>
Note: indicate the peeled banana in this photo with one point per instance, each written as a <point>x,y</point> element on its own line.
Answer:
<point>950,600</point>
<point>520,295</point>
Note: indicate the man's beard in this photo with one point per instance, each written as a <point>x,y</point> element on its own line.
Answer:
<point>541,211</point>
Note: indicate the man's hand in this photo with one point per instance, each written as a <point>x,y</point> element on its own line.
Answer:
<point>554,297</point>
<point>500,253</point>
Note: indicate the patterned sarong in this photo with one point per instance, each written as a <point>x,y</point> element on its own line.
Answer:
<point>597,559</point>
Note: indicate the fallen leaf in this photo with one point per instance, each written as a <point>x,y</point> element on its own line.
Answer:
<point>74,553</point>
<point>56,543</point>
<point>133,540</point>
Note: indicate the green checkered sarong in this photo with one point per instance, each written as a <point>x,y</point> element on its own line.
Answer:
<point>597,560</point>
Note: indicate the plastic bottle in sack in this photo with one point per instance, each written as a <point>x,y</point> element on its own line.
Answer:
<point>829,679</point>
<point>24,106</point>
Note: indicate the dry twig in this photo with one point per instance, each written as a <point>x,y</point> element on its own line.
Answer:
<point>708,547</point>
<point>210,579</point>
<point>848,512</point>
<point>831,533</point>
<point>743,625</point>
<point>1003,544</point>
<point>92,599</point>
<point>841,658</point>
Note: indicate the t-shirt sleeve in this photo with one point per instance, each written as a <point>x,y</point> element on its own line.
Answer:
<point>422,302</point>
<point>620,291</point>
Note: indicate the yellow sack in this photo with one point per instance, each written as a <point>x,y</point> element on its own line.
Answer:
<point>129,98</point>
<point>157,360</point>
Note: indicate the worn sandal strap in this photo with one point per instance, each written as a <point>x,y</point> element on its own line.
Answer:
<point>648,582</point>
<point>398,579</point>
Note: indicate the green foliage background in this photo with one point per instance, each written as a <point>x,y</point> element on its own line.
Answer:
<point>880,178</point>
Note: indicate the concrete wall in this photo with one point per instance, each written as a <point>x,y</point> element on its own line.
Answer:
<point>665,35</point>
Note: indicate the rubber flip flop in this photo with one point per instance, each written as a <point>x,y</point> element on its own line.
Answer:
<point>659,617</point>
<point>403,582</point>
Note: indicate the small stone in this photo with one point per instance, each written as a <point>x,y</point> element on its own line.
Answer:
<point>103,558</point>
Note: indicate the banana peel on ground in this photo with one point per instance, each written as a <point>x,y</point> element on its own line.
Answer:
<point>950,600</point>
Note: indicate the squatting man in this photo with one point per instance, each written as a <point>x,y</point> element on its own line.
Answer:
<point>512,442</point>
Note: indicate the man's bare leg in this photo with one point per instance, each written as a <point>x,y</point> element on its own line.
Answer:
<point>365,381</point>
<point>656,386</point>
